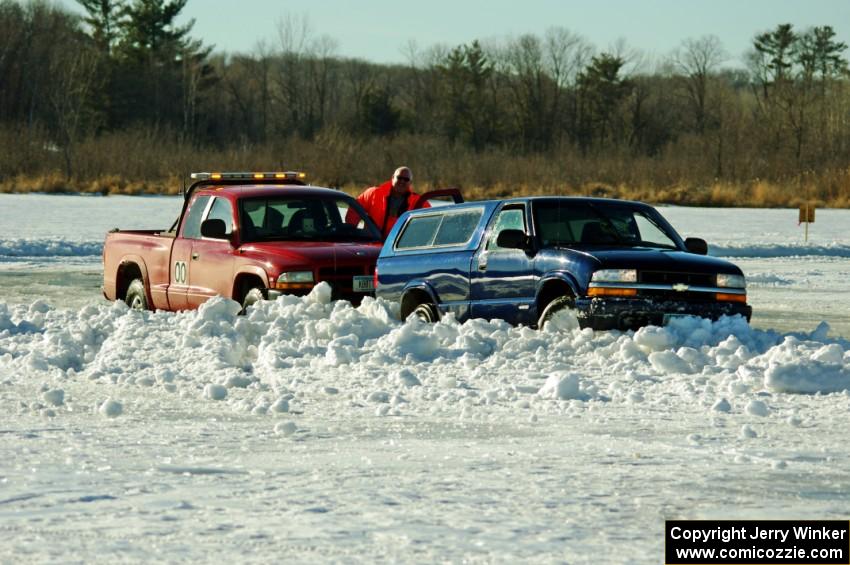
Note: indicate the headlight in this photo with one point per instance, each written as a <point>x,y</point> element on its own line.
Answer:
<point>294,279</point>
<point>731,281</point>
<point>615,275</point>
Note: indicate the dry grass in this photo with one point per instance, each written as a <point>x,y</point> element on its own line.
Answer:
<point>754,194</point>
<point>151,162</point>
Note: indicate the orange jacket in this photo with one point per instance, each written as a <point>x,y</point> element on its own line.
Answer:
<point>374,200</point>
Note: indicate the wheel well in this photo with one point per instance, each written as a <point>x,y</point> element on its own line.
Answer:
<point>244,283</point>
<point>411,299</point>
<point>552,290</point>
<point>127,273</point>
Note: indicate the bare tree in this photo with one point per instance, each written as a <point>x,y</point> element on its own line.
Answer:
<point>696,60</point>
<point>523,65</point>
<point>73,73</point>
<point>293,37</point>
<point>360,79</point>
<point>263,56</point>
<point>321,67</point>
<point>565,54</point>
<point>421,98</point>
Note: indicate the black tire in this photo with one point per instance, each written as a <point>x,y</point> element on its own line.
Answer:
<point>136,297</point>
<point>427,312</point>
<point>253,296</point>
<point>558,305</point>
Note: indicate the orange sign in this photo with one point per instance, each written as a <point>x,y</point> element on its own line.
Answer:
<point>807,214</point>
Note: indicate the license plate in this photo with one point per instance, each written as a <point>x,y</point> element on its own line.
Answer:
<point>363,284</point>
<point>670,317</point>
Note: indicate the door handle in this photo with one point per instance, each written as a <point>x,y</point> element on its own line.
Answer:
<point>195,256</point>
<point>482,263</point>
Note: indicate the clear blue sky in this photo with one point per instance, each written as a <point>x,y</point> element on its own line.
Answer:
<point>376,30</point>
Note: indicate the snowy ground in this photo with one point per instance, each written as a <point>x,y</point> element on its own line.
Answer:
<point>311,430</point>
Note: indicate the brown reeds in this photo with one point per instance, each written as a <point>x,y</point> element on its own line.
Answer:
<point>150,162</point>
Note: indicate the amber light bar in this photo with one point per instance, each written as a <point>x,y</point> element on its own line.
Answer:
<point>250,175</point>
<point>605,291</point>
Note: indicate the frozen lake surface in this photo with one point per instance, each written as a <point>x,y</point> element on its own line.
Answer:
<point>312,430</point>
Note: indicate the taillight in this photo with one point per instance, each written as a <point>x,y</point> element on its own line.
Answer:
<point>375,278</point>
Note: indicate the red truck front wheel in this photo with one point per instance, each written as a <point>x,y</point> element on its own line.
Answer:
<point>136,297</point>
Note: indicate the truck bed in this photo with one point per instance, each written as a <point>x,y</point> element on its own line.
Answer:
<point>149,249</point>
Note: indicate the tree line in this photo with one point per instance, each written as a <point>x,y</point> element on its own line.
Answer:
<point>125,76</point>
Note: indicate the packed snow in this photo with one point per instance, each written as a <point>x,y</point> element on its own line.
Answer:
<point>314,430</point>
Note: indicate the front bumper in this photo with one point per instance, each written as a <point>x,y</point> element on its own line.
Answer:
<point>633,313</point>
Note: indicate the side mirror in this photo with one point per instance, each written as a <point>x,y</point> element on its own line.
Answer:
<point>215,229</point>
<point>512,239</point>
<point>696,245</point>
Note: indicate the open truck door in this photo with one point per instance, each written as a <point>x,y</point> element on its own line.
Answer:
<point>440,197</point>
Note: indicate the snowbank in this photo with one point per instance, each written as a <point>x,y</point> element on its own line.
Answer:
<point>311,354</point>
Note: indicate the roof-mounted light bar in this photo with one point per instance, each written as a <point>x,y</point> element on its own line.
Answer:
<point>284,175</point>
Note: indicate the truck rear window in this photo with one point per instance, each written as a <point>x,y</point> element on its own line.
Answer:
<point>192,225</point>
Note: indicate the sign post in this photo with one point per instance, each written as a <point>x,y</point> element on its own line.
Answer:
<point>807,216</point>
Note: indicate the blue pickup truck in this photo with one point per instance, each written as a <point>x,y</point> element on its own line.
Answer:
<point>617,264</point>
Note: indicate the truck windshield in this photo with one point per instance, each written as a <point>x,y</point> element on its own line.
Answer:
<point>305,218</point>
<point>570,223</point>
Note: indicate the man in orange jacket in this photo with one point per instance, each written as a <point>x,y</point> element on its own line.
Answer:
<point>386,202</point>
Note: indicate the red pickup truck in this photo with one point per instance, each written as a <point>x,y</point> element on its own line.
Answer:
<point>246,236</point>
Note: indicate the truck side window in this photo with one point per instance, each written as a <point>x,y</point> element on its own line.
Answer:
<point>508,219</point>
<point>419,232</point>
<point>221,210</point>
<point>192,225</point>
<point>457,228</point>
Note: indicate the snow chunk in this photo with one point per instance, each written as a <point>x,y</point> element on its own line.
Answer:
<point>281,405</point>
<point>806,367</point>
<point>668,362</point>
<point>218,308</point>
<point>652,338</point>
<point>563,387</point>
<point>111,408</point>
<point>829,354</point>
<point>215,392</point>
<point>722,405</point>
<point>54,397</point>
<point>448,381</point>
<point>562,321</point>
<point>407,378</point>
<point>807,377</point>
<point>238,381</point>
<point>379,397</point>
<point>285,428</point>
<point>321,293</point>
<point>757,408</point>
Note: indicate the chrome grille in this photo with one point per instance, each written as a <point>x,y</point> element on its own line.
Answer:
<point>664,277</point>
